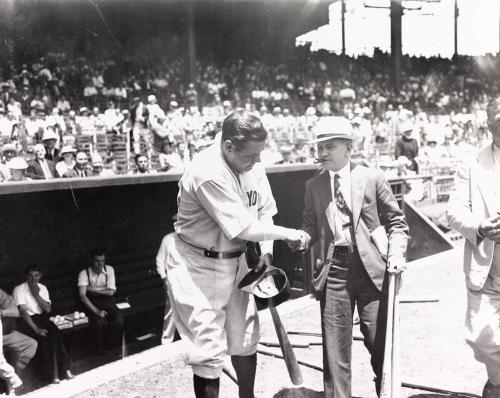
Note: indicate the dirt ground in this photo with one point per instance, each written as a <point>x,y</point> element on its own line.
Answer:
<point>433,350</point>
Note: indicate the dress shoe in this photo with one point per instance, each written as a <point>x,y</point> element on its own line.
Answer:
<point>69,375</point>
<point>56,380</point>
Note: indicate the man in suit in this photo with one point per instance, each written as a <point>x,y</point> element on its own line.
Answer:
<point>41,168</point>
<point>81,168</point>
<point>474,211</point>
<point>350,208</point>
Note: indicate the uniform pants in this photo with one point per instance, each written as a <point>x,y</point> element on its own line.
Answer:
<point>113,321</point>
<point>6,370</point>
<point>348,285</point>
<point>482,323</point>
<point>208,308</point>
<point>23,347</point>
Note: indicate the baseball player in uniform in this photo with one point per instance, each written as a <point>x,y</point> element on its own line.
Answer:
<point>224,200</point>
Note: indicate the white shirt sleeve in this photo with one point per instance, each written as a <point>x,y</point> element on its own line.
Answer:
<point>44,293</point>
<point>111,278</point>
<point>161,259</point>
<point>83,279</point>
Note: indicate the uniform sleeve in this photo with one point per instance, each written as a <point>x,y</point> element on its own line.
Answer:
<point>225,207</point>
<point>267,204</point>
<point>83,279</point>
<point>111,278</point>
<point>161,259</point>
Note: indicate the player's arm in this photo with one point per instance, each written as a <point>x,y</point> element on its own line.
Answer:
<point>227,210</point>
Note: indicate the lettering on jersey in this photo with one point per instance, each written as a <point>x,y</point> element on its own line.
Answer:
<point>252,198</point>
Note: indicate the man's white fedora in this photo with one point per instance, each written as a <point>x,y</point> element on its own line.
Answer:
<point>331,127</point>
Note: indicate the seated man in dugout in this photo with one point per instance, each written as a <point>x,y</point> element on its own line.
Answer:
<point>34,305</point>
<point>97,286</point>
<point>18,346</point>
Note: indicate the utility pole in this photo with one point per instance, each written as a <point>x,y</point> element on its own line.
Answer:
<point>456,13</point>
<point>396,44</point>
<point>342,13</point>
<point>191,41</point>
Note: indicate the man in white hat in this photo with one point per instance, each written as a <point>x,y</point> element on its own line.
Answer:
<point>49,141</point>
<point>406,145</point>
<point>154,110</point>
<point>17,167</point>
<point>345,205</point>
<point>474,211</point>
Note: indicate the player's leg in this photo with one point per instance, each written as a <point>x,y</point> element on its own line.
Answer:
<point>242,327</point>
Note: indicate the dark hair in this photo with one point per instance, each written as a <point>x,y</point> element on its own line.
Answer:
<point>32,267</point>
<point>98,251</point>
<point>242,126</point>
<point>139,155</point>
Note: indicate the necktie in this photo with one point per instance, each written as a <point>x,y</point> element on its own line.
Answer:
<point>344,211</point>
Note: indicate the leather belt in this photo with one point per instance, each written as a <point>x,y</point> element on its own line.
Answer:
<point>215,254</point>
<point>222,255</point>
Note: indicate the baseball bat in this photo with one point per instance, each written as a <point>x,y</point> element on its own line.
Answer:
<point>386,382</point>
<point>286,348</point>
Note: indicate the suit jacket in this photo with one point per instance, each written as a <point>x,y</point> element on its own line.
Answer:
<point>471,201</point>
<point>73,173</point>
<point>373,205</point>
<point>35,169</point>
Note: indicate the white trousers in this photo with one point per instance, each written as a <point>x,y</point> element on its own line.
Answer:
<point>208,308</point>
<point>6,370</point>
<point>482,323</point>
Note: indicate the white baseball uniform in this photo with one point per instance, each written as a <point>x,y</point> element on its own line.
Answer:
<point>214,207</point>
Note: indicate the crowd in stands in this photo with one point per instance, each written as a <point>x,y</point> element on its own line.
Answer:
<point>64,117</point>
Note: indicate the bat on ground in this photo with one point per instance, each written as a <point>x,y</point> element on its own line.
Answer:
<point>286,348</point>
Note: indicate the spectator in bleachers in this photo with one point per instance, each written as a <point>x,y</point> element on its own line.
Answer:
<point>80,169</point>
<point>21,346</point>
<point>49,141</point>
<point>287,154</point>
<point>169,159</point>
<point>41,168</point>
<point>34,305</point>
<point>8,152</point>
<point>406,145</point>
<point>68,160</point>
<point>96,287</point>
<point>98,169</point>
<point>17,169</point>
<point>141,164</point>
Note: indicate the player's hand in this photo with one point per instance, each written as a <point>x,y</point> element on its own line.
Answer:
<point>490,228</point>
<point>34,288</point>
<point>396,265</point>
<point>264,261</point>
<point>42,332</point>
<point>101,314</point>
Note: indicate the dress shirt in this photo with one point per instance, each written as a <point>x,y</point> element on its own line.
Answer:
<point>342,237</point>
<point>22,295</point>
<point>101,281</point>
<point>45,169</point>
